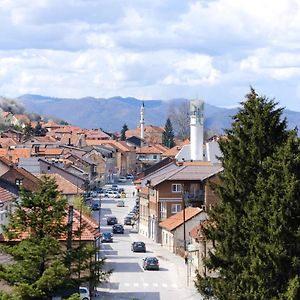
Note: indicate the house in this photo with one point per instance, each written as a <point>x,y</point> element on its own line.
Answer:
<point>96,134</point>
<point>172,152</point>
<point>7,142</point>
<point>21,120</point>
<point>149,155</point>
<point>125,155</point>
<point>36,166</point>
<point>169,185</point>
<point>176,229</point>
<point>15,154</point>
<point>21,177</point>
<point>8,118</point>
<point>152,134</point>
<point>66,188</point>
<point>90,231</point>
<point>73,139</point>
<point>14,134</point>
<point>6,200</point>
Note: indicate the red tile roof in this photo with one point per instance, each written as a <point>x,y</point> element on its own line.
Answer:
<point>14,155</point>
<point>6,196</point>
<point>176,220</point>
<point>89,233</point>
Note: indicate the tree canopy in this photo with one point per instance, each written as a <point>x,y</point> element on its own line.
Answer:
<point>40,265</point>
<point>168,135</point>
<point>256,226</point>
<point>123,132</point>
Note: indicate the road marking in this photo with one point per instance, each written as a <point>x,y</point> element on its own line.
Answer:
<point>174,286</point>
<point>135,284</point>
<point>127,284</point>
<point>146,284</point>
<point>155,284</point>
<point>164,285</point>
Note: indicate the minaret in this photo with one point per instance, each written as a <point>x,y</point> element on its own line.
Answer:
<point>142,122</point>
<point>196,127</point>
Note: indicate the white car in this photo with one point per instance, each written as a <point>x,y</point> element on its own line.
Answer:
<point>84,293</point>
<point>122,179</point>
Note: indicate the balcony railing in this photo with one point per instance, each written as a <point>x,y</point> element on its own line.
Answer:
<point>194,197</point>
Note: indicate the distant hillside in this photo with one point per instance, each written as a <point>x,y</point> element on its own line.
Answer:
<point>110,114</point>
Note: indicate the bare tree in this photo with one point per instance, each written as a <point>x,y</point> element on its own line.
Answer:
<point>180,118</point>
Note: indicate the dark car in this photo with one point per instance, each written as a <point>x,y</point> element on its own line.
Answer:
<point>128,220</point>
<point>138,247</point>
<point>107,237</point>
<point>150,263</point>
<point>95,206</point>
<point>118,228</point>
<point>111,220</point>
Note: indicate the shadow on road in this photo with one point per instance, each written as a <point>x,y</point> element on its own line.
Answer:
<point>125,267</point>
<point>129,296</point>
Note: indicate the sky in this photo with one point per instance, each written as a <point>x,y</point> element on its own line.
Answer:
<point>152,49</point>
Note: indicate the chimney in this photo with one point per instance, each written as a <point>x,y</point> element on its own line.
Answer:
<point>196,128</point>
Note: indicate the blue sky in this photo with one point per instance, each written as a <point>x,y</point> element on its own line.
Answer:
<point>158,49</point>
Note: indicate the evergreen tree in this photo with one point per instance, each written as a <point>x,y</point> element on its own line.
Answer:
<point>28,130</point>
<point>40,266</point>
<point>123,132</point>
<point>39,130</point>
<point>168,135</point>
<point>254,225</point>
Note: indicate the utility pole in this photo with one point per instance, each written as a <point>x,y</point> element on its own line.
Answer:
<point>69,234</point>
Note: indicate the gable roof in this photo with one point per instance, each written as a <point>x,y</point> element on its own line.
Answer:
<point>172,171</point>
<point>89,232</point>
<point>152,149</point>
<point>6,196</point>
<point>176,220</point>
<point>6,142</point>
<point>64,186</point>
<point>122,146</point>
<point>14,155</point>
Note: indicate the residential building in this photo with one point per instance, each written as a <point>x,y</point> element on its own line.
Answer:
<point>177,228</point>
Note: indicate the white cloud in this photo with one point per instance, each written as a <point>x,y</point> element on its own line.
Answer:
<point>151,49</point>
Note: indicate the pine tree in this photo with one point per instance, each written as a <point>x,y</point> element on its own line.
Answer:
<point>123,132</point>
<point>168,135</point>
<point>41,265</point>
<point>251,247</point>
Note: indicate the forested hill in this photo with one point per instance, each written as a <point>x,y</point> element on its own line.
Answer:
<point>110,114</point>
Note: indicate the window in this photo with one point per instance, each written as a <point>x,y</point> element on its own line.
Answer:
<point>154,156</point>
<point>176,188</point>
<point>163,210</point>
<point>19,181</point>
<point>175,208</point>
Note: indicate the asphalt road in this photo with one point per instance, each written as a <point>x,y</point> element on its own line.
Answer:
<point>129,280</point>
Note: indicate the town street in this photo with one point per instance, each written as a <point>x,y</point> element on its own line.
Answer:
<point>129,280</point>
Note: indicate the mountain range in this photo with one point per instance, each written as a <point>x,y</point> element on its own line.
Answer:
<point>110,114</point>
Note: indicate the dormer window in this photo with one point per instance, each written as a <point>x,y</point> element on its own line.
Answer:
<point>19,182</point>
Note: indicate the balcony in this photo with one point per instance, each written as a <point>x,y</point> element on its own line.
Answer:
<point>196,198</point>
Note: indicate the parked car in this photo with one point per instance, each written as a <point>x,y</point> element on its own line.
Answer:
<point>111,220</point>
<point>120,190</point>
<point>118,228</point>
<point>84,293</point>
<point>138,247</point>
<point>114,187</point>
<point>128,220</point>
<point>95,206</point>
<point>112,194</point>
<point>150,263</point>
<point>107,237</point>
<point>122,179</point>
<point>130,176</point>
<point>120,203</point>
<point>123,195</point>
